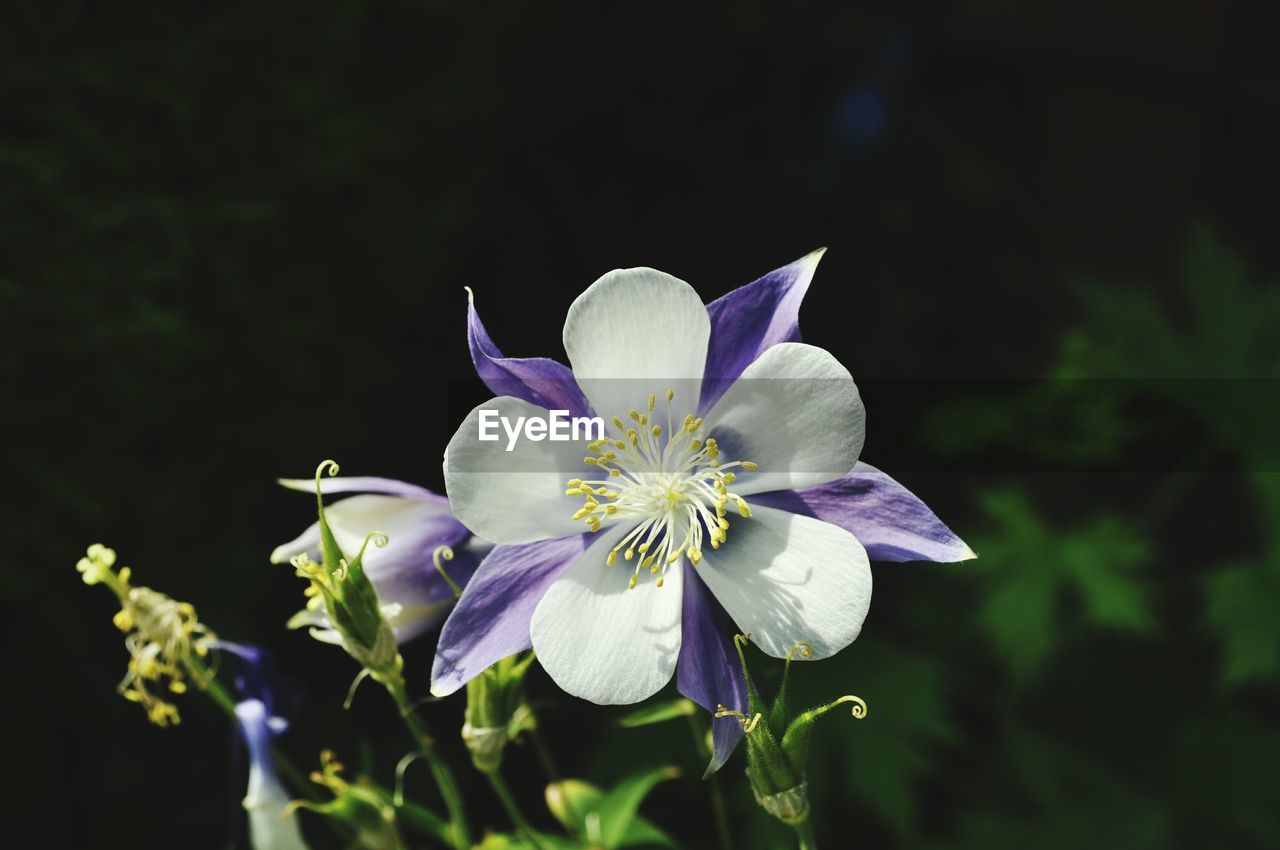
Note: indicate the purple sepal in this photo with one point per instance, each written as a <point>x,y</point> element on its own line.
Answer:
<point>537,380</point>
<point>491,620</point>
<point>752,318</point>
<point>404,572</point>
<point>708,671</point>
<point>887,518</point>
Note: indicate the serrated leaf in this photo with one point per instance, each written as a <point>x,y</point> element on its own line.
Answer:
<point>1032,568</point>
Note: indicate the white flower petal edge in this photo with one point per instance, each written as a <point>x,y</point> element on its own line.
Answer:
<point>516,496</point>
<point>605,643</point>
<point>796,413</point>
<point>636,323</point>
<point>353,518</point>
<point>786,578</point>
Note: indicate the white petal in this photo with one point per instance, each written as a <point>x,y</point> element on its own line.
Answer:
<point>353,518</point>
<point>512,496</point>
<point>601,641</point>
<point>786,578</point>
<point>635,332</point>
<point>308,541</point>
<point>796,413</point>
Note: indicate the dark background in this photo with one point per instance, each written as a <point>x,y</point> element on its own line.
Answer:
<point>234,243</point>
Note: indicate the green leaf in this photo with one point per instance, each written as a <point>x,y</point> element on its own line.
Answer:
<point>1241,609</point>
<point>1034,570</point>
<point>578,806</point>
<point>570,801</point>
<point>619,807</point>
<point>659,713</point>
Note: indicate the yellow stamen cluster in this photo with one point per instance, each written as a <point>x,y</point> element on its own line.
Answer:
<point>163,636</point>
<point>324,584</point>
<point>677,487</point>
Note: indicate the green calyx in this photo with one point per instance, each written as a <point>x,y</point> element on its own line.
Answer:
<point>496,711</point>
<point>340,585</point>
<point>778,744</point>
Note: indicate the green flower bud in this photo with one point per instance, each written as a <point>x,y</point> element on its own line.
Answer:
<point>496,711</point>
<point>778,745</point>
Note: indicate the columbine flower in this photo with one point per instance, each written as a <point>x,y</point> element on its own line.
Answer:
<point>273,825</point>
<point>710,406</point>
<point>164,637</point>
<point>413,593</point>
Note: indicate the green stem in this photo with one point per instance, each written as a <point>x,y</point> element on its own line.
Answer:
<point>439,768</point>
<point>719,812</point>
<point>544,754</point>
<point>804,833</point>
<point>513,809</point>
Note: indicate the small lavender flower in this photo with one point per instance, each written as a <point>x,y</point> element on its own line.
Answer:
<point>273,824</point>
<point>756,414</point>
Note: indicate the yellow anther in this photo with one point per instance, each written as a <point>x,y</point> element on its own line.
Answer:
<point>652,400</point>
<point>658,583</point>
<point>611,509</point>
<point>749,466</point>
<point>631,585</point>
<point>635,414</point>
<point>657,430</point>
<point>613,556</point>
<point>618,423</point>
<point>695,556</point>
<point>743,507</point>
<point>671,394</point>
<point>590,461</point>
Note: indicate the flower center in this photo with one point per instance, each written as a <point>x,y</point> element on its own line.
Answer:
<point>676,487</point>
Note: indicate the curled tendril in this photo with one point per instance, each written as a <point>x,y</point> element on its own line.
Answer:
<point>742,640</point>
<point>377,538</point>
<point>805,650</point>
<point>859,709</point>
<point>329,467</point>
<point>438,557</point>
